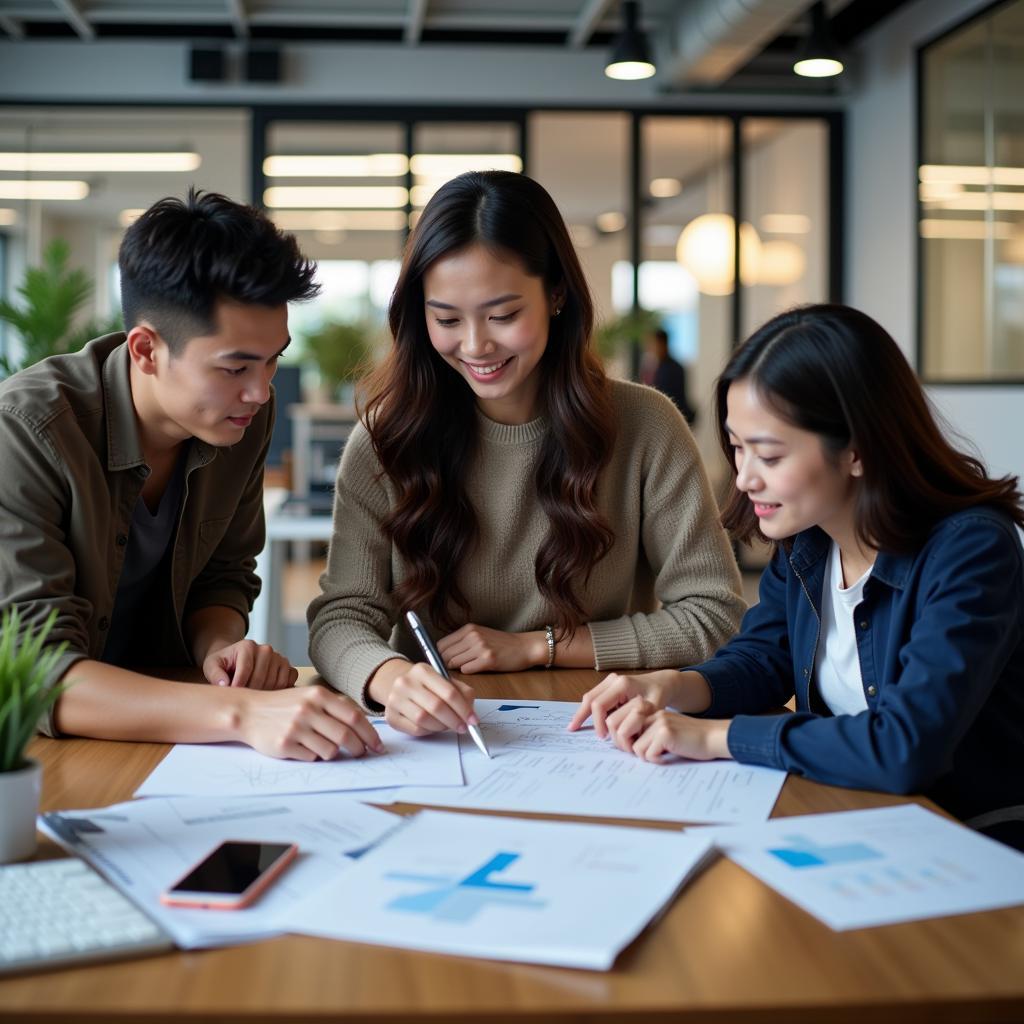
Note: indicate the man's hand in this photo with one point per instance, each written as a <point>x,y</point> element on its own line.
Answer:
<point>245,663</point>
<point>305,723</point>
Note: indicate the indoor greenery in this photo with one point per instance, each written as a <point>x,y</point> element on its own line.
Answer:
<point>614,336</point>
<point>25,695</point>
<point>51,296</point>
<point>340,350</point>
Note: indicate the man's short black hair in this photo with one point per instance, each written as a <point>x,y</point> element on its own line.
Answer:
<point>182,256</point>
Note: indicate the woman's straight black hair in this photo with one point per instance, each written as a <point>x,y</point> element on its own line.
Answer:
<point>834,371</point>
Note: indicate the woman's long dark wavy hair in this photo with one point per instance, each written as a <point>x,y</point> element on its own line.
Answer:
<point>422,416</point>
<point>833,370</point>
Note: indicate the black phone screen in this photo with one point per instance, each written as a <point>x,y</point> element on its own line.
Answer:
<point>232,867</point>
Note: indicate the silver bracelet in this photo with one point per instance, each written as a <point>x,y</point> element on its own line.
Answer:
<point>549,636</point>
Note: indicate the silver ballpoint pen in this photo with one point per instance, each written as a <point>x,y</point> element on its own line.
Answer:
<point>432,656</point>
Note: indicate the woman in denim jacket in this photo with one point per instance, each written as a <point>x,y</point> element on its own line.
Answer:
<point>893,608</point>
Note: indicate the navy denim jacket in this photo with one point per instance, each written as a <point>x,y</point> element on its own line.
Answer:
<point>940,635</point>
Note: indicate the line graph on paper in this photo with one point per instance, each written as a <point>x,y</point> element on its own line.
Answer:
<point>232,769</point>
<point>538,726</point>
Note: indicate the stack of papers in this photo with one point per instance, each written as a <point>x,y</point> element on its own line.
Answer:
<point>506,889</point>
<point>144,846</point>
<point>536,766</point>
<point>233,769</point>
<point>854,869</point>
<point>539,767</point>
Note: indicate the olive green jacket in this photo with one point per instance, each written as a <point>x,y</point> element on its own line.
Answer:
<point>71,470</point>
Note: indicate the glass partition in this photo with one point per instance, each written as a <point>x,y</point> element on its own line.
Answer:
<point>971,202</point>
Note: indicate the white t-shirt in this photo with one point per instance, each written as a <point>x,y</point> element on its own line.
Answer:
<point>836,663</point>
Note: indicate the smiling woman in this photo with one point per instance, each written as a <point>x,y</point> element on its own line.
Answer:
<point>532,511</point>
<point>893,607</point>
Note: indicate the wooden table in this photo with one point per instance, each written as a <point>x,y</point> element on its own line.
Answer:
<point>729,948</point>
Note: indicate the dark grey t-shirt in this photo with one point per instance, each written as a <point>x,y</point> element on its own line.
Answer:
<point>149,539</point>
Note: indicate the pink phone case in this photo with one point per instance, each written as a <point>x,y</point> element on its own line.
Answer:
<point>234,902</point>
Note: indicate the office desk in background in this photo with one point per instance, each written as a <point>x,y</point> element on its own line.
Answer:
<point>727,949</point>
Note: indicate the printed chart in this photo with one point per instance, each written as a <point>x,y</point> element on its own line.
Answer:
<point>505,888</point>
<point>862,868</point>
<point>538,766</point>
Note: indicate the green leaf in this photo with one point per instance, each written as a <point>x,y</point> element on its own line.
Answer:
<point>26,666</point>
<point>52,295</point>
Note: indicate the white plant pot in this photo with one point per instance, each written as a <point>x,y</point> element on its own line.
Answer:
<point>19,800</point>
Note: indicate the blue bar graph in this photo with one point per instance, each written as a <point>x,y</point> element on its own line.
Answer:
<point>805,853</point>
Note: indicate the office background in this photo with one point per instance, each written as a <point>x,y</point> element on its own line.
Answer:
<point>839,157</point>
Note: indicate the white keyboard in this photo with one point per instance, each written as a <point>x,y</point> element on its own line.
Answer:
<point>57,913</point>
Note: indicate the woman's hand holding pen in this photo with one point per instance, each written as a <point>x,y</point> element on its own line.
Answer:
<point>473,648</point>
<point>418,701</point>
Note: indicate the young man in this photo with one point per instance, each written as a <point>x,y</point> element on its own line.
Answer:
<point>132,497</point>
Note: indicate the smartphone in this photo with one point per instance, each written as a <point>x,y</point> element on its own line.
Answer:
<point>231,876</point>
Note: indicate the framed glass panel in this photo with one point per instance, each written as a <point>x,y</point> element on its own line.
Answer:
<point>971,201</point>
<point>786,206</point>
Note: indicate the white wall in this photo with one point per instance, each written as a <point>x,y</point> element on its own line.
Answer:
<point>354,73</point>
<point>880,228</point>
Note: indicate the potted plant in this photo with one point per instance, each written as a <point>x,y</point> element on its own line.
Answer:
<point>614,338</point>
<point>52,295</point>
<point>341,352</point>
<point>24,698</point>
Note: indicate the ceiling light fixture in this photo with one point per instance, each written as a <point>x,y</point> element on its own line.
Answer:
<point>83,162</point>
<point>372,165</point>
<point>326,196</point>
<point>819,55</point>
<point>70,190</point>
<point>630,57</point>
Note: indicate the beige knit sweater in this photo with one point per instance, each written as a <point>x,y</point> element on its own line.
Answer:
<point>667,594</point>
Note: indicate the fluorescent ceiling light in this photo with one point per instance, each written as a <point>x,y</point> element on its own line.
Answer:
<point>983,201</point>
<point>14,189</point>
<point>936,227</point>
<point>937,191</point>
<point>785,224</point>
<point>373,165</point>
<point>8,217</point>
<point>361,196</point>
<point>339,220</point>
<point>420,194</point>
<point>665,188</point>
<point>82,162</point>
<point>964,174</point>
<point>126,218</point>
<point>448,165</point>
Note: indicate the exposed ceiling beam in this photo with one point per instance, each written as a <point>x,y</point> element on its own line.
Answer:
<point>586,21</point>
<point>415,21</point>
<point>11,27</point>
<point>714,38</point>
<point>239,18</point>
<point>71,12</point>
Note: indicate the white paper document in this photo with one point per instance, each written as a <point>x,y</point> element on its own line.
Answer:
<point>854,869</point>
<point>233,769</point>
<point>144,846</point>
<point>538,766</point>
<point>505,889</point>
